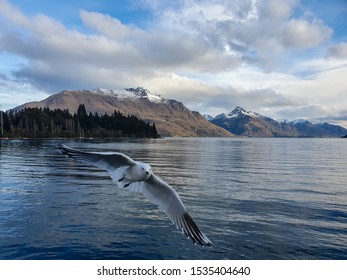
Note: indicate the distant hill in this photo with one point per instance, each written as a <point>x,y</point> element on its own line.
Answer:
<point>247,123</point>
<point>171,117</point>
<point>317,129</point>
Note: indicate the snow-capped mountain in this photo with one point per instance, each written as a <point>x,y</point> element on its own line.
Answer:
<point>171,117</point>
<point>247,123</point>
<point>131,93</point>
<point>238,112</point>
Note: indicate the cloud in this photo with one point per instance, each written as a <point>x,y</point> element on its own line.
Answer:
<point>258,100</point>
<point>301,34</point>
<point>212,37</point>
<point>313,111</point>
<point>13,14</point>
<point>156,49</point>
<point>252,31</point>
<point>338,51</point>
<point>56,53</point>
<point>110,27</point>
<point>277,9</point>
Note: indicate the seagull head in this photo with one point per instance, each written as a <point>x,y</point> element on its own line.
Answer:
<point>145,169</point>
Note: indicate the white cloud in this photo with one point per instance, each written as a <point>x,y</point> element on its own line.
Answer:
<point>310,112</point>
<point>13,14</point>
<point>210,36</point>
<point>325,92</point>
<point>301,34</point>
<point>117,50</point>
<point>109,26</point>
<point>280,10</point>
<point>338,51</point>
<point>258,31</point>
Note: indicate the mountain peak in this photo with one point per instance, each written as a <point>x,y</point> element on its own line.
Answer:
<point>297,122</point>
<point>240,112</point>
<point>139,91</point>
<point>145,93</point>
<point>240,109</point>
<point>131,93</point>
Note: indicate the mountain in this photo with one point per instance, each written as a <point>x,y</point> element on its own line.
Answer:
<point>248,123</point>
<point>317,129</point>
<point>171,117</point>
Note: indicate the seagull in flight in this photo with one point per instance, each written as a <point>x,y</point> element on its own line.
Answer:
<point>137,176</point>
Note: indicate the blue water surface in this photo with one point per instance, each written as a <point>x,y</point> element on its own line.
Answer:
<point>255,198</point>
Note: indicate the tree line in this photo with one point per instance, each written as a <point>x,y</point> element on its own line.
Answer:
<point>57,123</point>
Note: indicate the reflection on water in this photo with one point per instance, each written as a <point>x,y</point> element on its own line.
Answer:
<point>254,198</point>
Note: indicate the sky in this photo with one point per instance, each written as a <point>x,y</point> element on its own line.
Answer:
<point>285,59</point>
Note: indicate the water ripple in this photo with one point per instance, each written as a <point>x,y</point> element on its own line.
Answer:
<point>254,198</point>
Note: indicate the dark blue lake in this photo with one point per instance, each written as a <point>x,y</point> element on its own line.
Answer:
<point>254,198</point>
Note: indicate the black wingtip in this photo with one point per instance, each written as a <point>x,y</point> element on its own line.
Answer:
<point>195,233</point>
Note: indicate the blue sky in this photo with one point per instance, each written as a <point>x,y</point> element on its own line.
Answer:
<point>283,58</point>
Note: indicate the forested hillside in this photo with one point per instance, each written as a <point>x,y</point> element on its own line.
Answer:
<point>46,123</point>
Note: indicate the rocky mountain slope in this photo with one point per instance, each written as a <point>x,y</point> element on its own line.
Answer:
<point>171,117</point>
<point>247,123</point>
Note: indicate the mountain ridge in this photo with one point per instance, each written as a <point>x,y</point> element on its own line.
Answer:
<point>248,123</point>
<point>171,117</point>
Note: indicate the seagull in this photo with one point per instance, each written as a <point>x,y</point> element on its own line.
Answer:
<point>137,176</point>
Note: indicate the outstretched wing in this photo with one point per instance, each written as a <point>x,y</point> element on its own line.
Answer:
<point>114,163</point>
<point>168,201</point>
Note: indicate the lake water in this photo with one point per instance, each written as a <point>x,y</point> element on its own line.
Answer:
<point>254,198</point>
